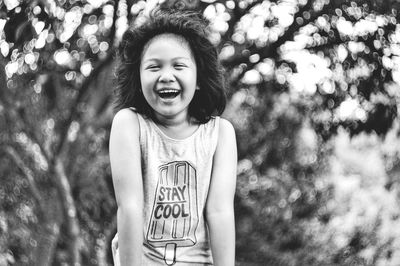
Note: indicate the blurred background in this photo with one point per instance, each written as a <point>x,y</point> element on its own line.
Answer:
<point>313,93</point>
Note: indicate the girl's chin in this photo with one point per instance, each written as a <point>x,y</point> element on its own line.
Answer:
<point>169,100</point>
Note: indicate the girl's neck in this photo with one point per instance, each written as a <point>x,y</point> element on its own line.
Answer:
<point>177,127</point>
<point>175,121</point>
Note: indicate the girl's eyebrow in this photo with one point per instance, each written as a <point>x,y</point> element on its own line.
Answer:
<point>159,60</point>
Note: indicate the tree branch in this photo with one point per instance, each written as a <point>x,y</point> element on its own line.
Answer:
<point>16,118</point>
<point>13,115</point>
<point>236,16</point>
<point>84,88</point>
<point>28,173</point>
<point>74,113</point>
<point>67,200</point>
<point>270,51</point>
<point>114,26</point>
<point>130,3</point>
<point>104,243</point>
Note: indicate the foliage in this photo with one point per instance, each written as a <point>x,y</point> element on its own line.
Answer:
<point>296,72</point>
<point>364,214</point>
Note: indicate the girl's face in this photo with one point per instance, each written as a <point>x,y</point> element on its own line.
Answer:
<point>168,75</point>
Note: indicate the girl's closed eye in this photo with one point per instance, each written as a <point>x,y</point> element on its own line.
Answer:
<point>153,67</point>
<point>180,66</point>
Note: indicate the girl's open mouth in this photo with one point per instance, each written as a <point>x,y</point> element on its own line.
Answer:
<point>168,93</point>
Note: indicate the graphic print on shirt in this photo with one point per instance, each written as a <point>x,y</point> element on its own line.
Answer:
<point>174,218</point>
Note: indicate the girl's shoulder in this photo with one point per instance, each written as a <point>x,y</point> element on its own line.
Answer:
<point>225,123</point>
<point>226,129</point>
<point>126,120</point>
<point>125,115</point>
<point>125,134</point>
<point>222,123</point>
<point>219,129</point>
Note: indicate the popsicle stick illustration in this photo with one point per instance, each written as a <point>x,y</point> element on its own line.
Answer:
<point>170,253</point>
<point>174,218</point>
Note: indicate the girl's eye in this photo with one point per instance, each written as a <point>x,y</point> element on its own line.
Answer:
<point>180,66</point>
<point>153,67</point>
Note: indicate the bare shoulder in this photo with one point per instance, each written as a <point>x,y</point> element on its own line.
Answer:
<point>124,116</point>
<point>226,129</point>
<point>226,137</point>
<point>125,120</point>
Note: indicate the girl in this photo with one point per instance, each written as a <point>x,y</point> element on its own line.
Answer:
<point>173,161</point>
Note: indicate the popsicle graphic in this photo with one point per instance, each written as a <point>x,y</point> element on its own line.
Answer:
<point>174,218</point>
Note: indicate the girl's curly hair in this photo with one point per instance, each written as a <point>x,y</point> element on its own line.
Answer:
<point>209,100</point>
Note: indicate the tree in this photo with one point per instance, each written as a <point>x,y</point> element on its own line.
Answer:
<point>317,63</point>
<point>296,71</point>
<point>46,104</point>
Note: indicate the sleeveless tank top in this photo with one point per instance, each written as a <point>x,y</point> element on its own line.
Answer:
<point>176,179</point>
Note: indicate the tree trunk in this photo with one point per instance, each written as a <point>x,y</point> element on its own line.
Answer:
<point>70,212</point>
<point>47,242</point>
<point>47,236</point>
<point>104,243</point>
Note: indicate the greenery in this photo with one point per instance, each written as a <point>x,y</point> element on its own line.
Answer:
<point>313,93</point>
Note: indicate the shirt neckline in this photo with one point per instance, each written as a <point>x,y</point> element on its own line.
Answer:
<point>165,136</point>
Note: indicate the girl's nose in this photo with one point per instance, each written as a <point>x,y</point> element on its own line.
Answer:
<point>167,76</point>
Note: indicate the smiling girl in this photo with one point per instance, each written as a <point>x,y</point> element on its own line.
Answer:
<point>173,159</point>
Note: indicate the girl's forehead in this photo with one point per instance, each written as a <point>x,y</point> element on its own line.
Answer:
<point>168,38</point>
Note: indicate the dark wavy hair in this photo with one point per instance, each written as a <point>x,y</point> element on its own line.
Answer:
<point>209,100</point>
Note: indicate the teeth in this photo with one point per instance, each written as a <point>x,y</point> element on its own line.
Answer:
<point>168,91</point>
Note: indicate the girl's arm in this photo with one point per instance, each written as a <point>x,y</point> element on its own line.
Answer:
<point>128,185</point>
<point>219,208</point>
